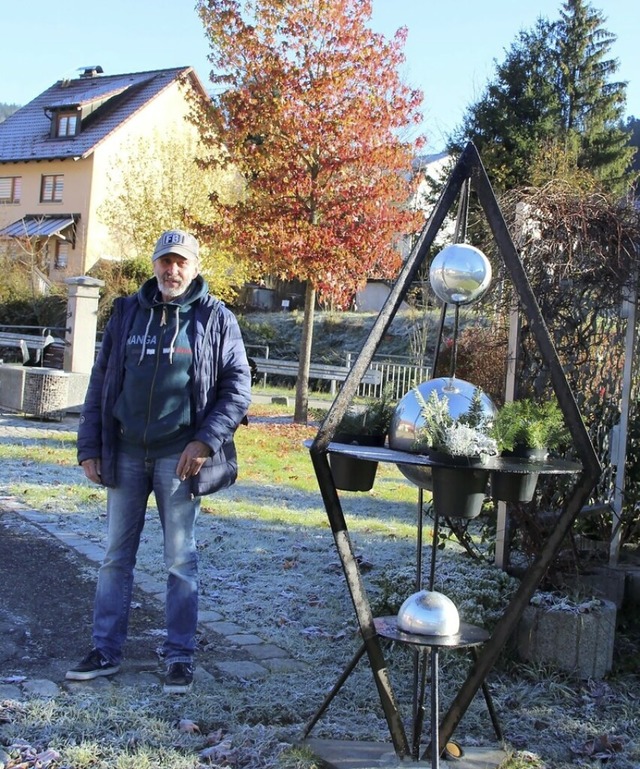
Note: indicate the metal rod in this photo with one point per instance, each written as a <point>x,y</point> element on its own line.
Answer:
<point>419,539</point>
<point>454,347</point>
<point>434,549</point>
<point>418,700</point>
<point>489,701</point>
<point>418,719</point>
<point>435,705</point>
<point>336,688</point>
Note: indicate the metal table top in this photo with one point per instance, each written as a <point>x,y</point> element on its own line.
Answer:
<point>549,466</point>
<point>468,635</point>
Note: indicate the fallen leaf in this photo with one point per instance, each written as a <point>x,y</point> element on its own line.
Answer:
<point>213,738</point>
<point>601,747</point>
<point>188,726</point>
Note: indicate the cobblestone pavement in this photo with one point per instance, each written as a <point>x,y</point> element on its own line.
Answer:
<point>48,571</point>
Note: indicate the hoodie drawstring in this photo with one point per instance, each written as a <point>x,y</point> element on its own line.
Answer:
<point>175,335</point>
<point>172,344</point>
<point>146,334</point>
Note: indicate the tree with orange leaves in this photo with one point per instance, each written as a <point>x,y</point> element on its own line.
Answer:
<point>311,111</point>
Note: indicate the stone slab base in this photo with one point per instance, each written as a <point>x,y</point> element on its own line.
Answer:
<point>344,754</point>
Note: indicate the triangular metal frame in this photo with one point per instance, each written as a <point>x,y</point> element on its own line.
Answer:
<point>469,166</point>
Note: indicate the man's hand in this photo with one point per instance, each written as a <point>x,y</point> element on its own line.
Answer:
<point>91,469</point>
<point>192,458</point>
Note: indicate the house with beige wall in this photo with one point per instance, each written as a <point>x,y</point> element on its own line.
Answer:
<point>58,154</point>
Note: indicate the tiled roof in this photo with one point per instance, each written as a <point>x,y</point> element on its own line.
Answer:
<point>25,135</point>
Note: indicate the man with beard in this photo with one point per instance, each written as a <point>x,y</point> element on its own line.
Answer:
<point>168,390</point>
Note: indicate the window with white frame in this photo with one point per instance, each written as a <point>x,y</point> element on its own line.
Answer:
<point>51,188</point>
<point>66,124</point>
<point>10,189</point>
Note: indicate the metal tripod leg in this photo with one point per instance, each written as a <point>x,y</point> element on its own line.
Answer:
<point>336,688</point>
<point>418,714</point>
<point>489,700</point>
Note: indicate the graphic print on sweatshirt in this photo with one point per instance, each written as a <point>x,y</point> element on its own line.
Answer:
<point>154,409</point>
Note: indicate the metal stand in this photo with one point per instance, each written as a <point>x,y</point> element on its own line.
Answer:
<point>373,630</point>
<point>468,170</point>
<point>469,636</point>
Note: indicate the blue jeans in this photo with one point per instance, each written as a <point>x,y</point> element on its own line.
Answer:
<point>126,508</point>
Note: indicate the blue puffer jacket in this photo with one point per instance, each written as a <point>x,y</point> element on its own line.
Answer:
<point>221,391</point>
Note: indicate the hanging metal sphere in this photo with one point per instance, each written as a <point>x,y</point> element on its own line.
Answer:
<point>407,420</point>
<point>460,274</point>
<point>428,613</point>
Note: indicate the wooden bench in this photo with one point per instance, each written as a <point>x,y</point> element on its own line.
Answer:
<point>31,346</point>
<point>333,374</point>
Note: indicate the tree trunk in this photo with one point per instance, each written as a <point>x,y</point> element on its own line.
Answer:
<point>302,384</point>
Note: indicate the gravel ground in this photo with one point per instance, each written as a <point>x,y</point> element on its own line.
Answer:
<point>285,584</point>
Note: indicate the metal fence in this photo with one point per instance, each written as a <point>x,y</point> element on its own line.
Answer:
<point>398,376</point>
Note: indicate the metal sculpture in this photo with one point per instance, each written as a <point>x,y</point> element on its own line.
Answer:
<point>468,171</point>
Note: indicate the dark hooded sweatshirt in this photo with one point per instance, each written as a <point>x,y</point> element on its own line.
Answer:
<point>154,412</point>
<point>217,394</point>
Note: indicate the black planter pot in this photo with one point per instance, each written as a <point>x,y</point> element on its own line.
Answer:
<point>525,452</point>
<point>351,473</point>
<point>513,487</point>
<point>459,492</point>
<point>456,461</point>
<point>521,486</point>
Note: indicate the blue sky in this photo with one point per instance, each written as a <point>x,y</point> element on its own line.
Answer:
<point>450,50</point>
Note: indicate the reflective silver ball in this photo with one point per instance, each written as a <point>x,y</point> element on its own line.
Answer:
<point>407,420</point>
<point>428,613</point>
<point>460,274</point>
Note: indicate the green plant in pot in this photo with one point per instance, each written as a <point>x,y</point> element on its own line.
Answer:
<point>525,430</point>
<point>362,425</point>
<point>459,446</point>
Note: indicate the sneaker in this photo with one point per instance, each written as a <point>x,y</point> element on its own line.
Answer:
<point>95,664</point>
<point>179,678</point>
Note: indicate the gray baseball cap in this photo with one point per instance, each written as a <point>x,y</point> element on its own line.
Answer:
<point>176,242</point>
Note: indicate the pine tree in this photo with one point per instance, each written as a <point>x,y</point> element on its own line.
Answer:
<point>554,94</point>
<point>592,105</point>
<point>519,111</point>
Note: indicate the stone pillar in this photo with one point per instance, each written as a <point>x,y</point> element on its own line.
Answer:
<point>82,323</point>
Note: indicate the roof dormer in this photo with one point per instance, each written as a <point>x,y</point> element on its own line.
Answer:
<point>65,121</point>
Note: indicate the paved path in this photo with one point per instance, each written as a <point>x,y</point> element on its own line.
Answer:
<point>47,573</point>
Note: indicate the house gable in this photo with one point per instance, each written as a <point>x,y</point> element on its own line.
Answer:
<point>70,119</point>
<point>57,153</point>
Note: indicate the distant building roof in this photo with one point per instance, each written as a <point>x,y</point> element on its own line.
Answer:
<point>422,162</point>
<point>105,102</point>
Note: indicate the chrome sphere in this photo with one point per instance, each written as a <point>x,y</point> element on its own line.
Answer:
<point>407,420</point>
<point>460,274</point>
<point>428,613</point>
